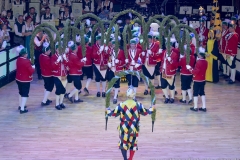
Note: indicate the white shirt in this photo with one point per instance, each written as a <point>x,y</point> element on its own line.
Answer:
<point>37,42</point>
<point>42,19</point>
<point>4,34</point>
<point>4,45</point>
<point>16,30</point>
<point>142,5</point>
<point>107,4</point>
<point>63,17</point>
<point>30,28</point>
<point>87,8</point>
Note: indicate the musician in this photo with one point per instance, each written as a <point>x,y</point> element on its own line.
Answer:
<point>231,50</point>
<point>202,32</point>
<point>33,14</point>
<point>19,28</point>
<point>48,15</point>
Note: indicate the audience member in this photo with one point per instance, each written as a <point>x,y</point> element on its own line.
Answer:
<point>28,33</point>
<point>19,28</point>
<point>88,6</point>
<point>34,16</point>
<point>48,15</point>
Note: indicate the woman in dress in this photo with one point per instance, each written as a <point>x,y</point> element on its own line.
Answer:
<point>28,33</point>
<point>212,58</point>
<point>5,33</point>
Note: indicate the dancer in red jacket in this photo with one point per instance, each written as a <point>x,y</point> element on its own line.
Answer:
<point>186,76</point>
<point>24,76</point>
<point>46,71</point>
<point>199,73</point>
<point>59,71</point>
<point>75,71</point>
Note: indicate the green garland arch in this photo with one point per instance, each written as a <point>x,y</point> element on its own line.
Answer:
<point>116,39</point>
<point>82,31</point>
<point>124,34</point>
<point>136,73</point>
<point>79,19</point>
<point>93,33</point>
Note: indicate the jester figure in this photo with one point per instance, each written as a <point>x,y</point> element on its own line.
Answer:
<point>129,112</point>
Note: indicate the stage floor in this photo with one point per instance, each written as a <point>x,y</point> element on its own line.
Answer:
<point>78,132</point>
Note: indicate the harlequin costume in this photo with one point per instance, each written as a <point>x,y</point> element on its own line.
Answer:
<point>129,112</point>
<point>231,51</point>
<point>212,58</point>
<point>46,71</point>
<point>150,60</point>
<point>133,62</point>
<point>24,75</point>
<point>186,77</point>
<point>168,69</point>
<point>75,72</point>
<point>199,76</point>
<point>100,61</point>
<point>202,32</point>
<point>59,71</point>
<point>115,65</point>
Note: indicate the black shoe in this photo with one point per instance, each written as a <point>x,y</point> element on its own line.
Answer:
<point>176,93</point>
<point>45,104</point>
<point>183,101</point>
<point>158,87</point>
<point>230,82</point>
<point>58,107</point>
<point>66,95</point>
<point>49,101</point>
<point>221,74</point>
<point>79,92</point>
<point>98,94</point>
<point>171,100</point>
<point>145,92</point>
<point>71,99</point>
<point>190,101</point>
<point>86,91</point>
<point>228,79</point>
<point>77,101</point>
<point>194,109</point>
<point>114,101</point>
<point>39,77</point>
<point>62,106</point>
<point>202,109</point>
<point>225,76</point>
<point>103,94</point>
<point>19,108</point>
<point>166,100</point>
<point>24,111</point>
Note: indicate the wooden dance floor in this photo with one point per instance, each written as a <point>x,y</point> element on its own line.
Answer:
<point>78,132</point>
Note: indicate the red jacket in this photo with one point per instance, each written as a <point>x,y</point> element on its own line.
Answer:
<point>177,51</point>
<point>138,54</point>
<point>222,43</point>
<point>199,71</point>
<point>99,58</point>
<point>192,47</point>
<point>183,63</point>
<point>88,55</point>
<point>152,58</point>
<point>138,46</point>
<point>204,33</point>
<point>121,58</point>
<point>45,65</point>
<point>75,64</point>
<point>24,70</point>
<point>171,66</point>
<point>231,44</point>
<point>237,30</point>
<point>58,69</point>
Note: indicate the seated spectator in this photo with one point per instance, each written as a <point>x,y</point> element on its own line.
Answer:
<point>44,4</point>
<point>10,15</point>
<point>19,28</point>
<point>88,6</point>
<point>66,14</point>
<point>142,3</point>
<point>106,9</point>
<point>18,2</point>
<point>4,33</point>
<point>28,33</point>
<point>63,3</point>
<point>98,7</point>
<point>48,15</point>
<point>3,43</point>
<point>33,14</point>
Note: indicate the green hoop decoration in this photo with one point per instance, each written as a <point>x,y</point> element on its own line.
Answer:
<point>116,48</point>
<point>124,34</point>
<point>83,39</point>
<point>93,33</point>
